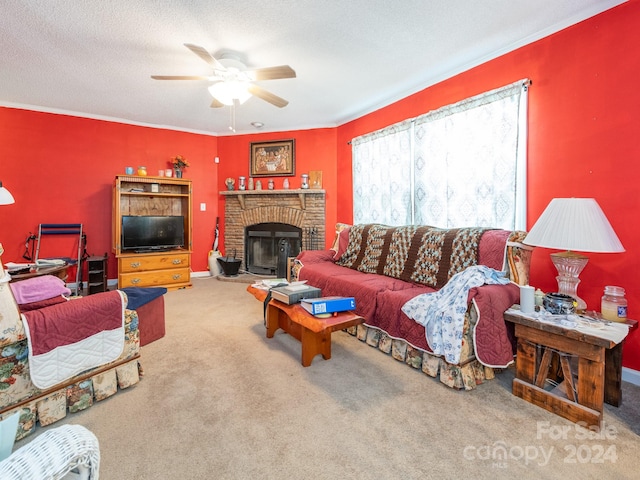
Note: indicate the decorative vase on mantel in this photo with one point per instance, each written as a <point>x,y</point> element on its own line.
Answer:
<point>178,173</point>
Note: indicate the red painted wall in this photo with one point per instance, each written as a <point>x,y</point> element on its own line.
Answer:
<point>583,130</point>
<point>314,150</point>
<point>583,138</point>
<point>60,169</point>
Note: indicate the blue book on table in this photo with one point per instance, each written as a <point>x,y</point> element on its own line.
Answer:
<point>317,306</point>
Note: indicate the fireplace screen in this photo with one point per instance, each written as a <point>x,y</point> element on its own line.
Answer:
<point>263,243</point>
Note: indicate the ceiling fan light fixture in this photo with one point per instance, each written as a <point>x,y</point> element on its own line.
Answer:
<point>228,91</point>
<point>233,84</point>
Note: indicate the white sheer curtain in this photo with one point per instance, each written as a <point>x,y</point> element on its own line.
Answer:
<point>464,165</point>
<point>382,167</point>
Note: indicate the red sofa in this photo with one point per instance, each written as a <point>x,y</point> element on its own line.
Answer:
<point>384,267</point>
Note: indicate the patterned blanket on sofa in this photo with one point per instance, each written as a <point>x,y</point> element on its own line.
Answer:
<point>425,255</point>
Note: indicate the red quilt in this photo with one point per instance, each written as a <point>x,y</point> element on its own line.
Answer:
<point>73,321</point>
<point>379,300</point>
<point>72,337</point>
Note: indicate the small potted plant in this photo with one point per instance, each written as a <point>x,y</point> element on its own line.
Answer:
<point>179,163</point>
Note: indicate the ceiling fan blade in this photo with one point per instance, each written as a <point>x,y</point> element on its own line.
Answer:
<point>216,104</point>
<point>179,77</point>
<point>267,96</point>
<point>272,73</point>
<point>206,56</point>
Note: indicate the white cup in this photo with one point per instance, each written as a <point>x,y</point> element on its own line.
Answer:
<point>168,172</point>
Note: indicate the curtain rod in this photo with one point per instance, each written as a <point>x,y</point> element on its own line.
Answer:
<point>525,84</point>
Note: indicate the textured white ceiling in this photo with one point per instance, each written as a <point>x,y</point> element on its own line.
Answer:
<point>94,58</point>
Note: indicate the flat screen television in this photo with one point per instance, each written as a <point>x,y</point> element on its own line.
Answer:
<point>148,233</point>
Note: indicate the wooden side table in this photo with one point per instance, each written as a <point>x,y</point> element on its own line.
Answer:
<point>59,271</point>
<point>580,397</point>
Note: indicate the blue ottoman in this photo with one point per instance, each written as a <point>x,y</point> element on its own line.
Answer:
<point>149,305</point>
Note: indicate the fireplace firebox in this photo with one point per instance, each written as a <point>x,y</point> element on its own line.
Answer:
<point>263,242</point>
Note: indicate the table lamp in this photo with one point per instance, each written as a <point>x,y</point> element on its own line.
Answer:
<point>5,199</point>
<point>5,196</point>
<point>573,224</point>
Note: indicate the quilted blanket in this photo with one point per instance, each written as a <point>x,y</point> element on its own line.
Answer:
<point>71,337</point>
<point>379,300</point>
<point>425,255</point>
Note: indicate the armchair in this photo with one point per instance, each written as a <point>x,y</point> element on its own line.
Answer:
<point>20,388</point>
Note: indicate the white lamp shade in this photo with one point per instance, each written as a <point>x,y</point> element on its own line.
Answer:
<point>5,196</point>
<point>576,224</point>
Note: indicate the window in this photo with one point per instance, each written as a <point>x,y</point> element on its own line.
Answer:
<point>459,166</point>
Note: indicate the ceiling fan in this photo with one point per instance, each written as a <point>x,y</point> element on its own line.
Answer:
<point>231,80</point>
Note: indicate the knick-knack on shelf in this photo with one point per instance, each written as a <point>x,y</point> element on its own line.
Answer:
<point>250,183</point>
<point>285,184</point>
<point>179,163</point>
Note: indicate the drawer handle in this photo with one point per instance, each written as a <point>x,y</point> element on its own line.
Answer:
<point>135,264</point>
<point>177,261</point>
<point>135,280</point>
<point>177,276</point>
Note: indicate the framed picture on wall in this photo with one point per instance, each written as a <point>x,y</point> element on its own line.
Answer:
<point>272,159</point>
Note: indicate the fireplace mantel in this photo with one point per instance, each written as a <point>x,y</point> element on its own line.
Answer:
<point>301,193</point>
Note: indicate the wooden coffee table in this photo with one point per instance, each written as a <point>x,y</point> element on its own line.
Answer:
<point>313,333</point>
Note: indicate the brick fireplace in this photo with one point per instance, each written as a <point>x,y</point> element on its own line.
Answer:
<point>304,209</point>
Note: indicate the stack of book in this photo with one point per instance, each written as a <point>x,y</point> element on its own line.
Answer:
<point>294,293</point>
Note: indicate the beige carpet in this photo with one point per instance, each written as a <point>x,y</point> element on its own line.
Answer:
<point>220,401</point>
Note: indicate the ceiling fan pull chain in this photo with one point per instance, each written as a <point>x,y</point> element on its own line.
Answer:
<point>232,118</point>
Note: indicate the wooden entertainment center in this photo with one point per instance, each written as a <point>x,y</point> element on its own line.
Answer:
<point>158,196</point>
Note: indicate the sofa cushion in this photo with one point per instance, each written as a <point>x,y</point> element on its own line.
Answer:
<point>335,280</point>
<point>391,319</point>
<point>341,240</point>
<point>425,255</point>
